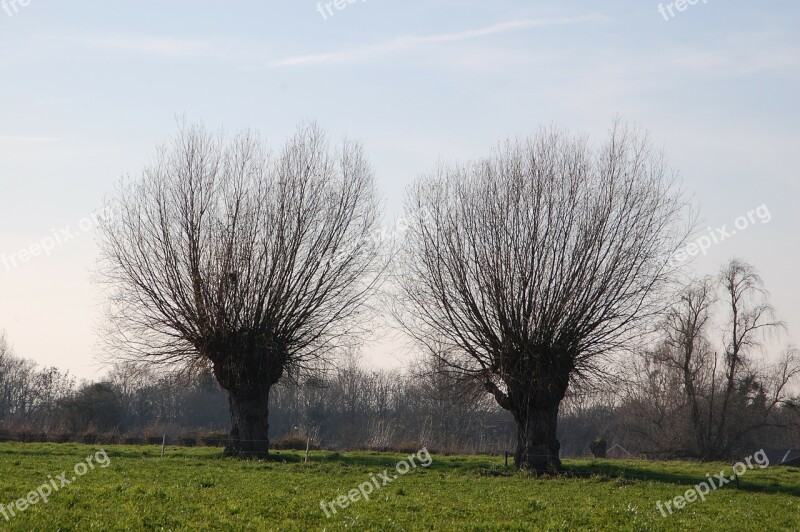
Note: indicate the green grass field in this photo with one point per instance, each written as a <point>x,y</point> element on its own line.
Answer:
<point>191,489</point>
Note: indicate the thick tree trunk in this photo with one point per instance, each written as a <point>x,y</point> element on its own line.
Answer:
<point>250,424</point>
<point>247,368</point>
<point>537,444</point>
<point>534,392</point>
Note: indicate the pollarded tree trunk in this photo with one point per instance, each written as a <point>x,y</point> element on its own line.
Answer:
<point>248,379</point>
<point>537,443</point>
<point>536,382</point>
<point>535,412</point>
<point>249,424</point>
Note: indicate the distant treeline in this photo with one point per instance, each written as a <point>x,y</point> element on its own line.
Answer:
<point>353,407</point>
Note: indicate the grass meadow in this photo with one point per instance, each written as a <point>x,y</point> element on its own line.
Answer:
<point>196,488</point>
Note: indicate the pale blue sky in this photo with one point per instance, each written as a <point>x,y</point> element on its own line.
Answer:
<point>89,88</point>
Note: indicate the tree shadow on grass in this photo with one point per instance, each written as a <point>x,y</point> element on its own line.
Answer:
<point>772,480</point>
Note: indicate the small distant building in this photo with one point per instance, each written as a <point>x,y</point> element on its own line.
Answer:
<point>791,458</point>
<point>618,452</point>
<point>783,457</point>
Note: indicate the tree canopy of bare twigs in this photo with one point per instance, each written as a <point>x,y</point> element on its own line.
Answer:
<point>225,255</point>
<point>532,265</point>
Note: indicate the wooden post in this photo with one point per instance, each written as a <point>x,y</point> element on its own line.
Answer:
<point>308,447</point>
<point>506,453</point>
<point>163,444</point>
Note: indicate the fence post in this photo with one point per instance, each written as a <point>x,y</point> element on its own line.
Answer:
<point>163,444</point>
<point>308,447</point>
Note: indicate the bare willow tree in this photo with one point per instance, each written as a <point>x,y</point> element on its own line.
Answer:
<point>720,393</point>
<point>256,265</point>
<point>737,395</point>
<point>687,351</point>
<point>533,266</point>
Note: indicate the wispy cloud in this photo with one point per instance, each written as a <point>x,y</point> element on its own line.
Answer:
<point>176,47</point>
<point>371,51</point>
